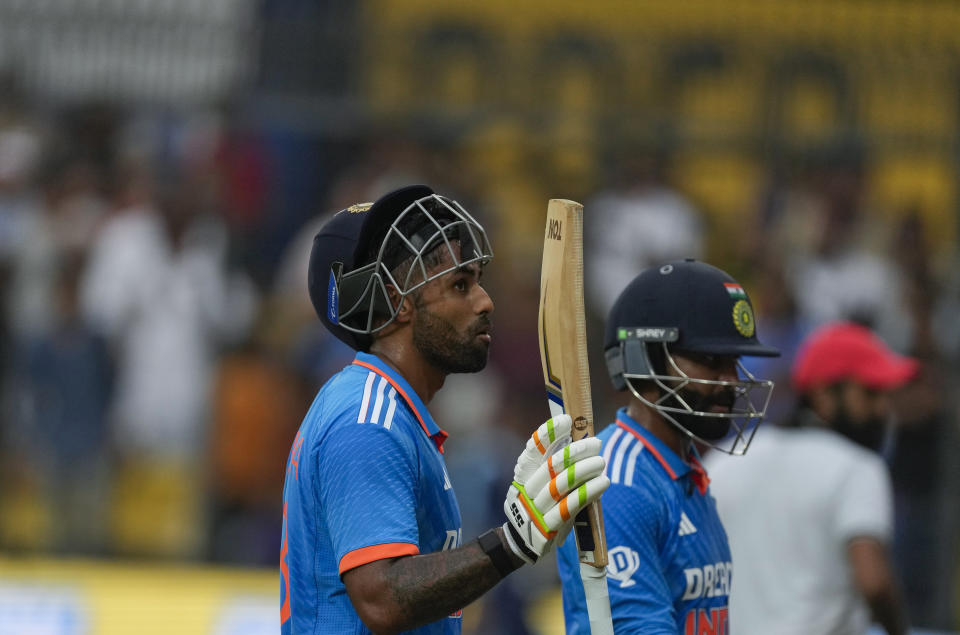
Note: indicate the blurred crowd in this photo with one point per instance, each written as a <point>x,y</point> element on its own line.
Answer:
<point>159,349</point>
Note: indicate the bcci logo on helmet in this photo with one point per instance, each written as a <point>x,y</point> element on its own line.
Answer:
<point>743,318</point>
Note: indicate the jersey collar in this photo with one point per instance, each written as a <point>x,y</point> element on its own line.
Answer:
<point>672,464</point>
<point>419,409</point>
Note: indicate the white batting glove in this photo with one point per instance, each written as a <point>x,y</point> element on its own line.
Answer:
<point>553,480</point>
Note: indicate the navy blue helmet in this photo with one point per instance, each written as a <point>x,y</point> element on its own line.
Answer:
<point>687,307</point>
<point>366,248</point>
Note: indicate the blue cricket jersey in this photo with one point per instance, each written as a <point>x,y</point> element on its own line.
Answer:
<point>669,565</point>
<point>365,481</point>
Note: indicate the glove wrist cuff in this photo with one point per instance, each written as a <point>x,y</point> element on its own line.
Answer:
<point>517,545</point>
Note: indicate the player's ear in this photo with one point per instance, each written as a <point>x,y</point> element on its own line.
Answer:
<point>402,304</point>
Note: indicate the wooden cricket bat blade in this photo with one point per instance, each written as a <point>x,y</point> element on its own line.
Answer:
<point>563,348</point>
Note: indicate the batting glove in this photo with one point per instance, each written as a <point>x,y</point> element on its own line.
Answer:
<point>553,480</point>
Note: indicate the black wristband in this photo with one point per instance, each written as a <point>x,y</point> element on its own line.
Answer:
<point>492,546</point>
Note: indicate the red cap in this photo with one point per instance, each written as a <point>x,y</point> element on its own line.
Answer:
<point>843,351</point>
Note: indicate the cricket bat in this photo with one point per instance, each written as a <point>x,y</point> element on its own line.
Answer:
<point>566,375</point>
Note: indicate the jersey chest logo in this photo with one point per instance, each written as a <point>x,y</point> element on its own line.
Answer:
<point>708,581</point>
<point>622,563</point>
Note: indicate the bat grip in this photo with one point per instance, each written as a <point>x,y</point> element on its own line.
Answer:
<point>598,599</point>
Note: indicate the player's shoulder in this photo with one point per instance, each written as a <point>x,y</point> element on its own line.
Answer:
<point>359,408</point>
<point>638,483</point>
<point>358,395</point>
<point>629,462</point>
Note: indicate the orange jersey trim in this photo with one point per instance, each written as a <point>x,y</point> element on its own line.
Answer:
<point>285,572</point>
<point>366,555</point>
<point>649,446</point>
<point>440,436</point>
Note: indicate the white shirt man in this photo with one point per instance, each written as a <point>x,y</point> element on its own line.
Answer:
<point>809,511</point>
<point>791,573</point>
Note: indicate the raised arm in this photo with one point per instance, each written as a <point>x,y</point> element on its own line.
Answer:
<point>553,480</point>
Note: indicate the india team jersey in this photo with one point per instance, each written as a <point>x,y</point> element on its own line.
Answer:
<point>365,481</point>
<point>669,565</point>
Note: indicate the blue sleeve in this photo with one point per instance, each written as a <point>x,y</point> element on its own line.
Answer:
<point>636,521</point>
<point>366,482</point>
<point>640,599</point>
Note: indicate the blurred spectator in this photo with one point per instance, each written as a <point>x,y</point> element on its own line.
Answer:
<point>19,153</point>
<point>782,329</point>
<point>257,407</point>
<point>471,410</point>
<point>63,222</point>
<point>158,286</point>
<point>918,464</point>
<point>638,222</point>
<point>67,378</point>
<point>809,509</point>
<point>837,264</point>
<point>293,328</point>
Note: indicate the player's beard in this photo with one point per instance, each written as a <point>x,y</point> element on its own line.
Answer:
<point>703,427</point>
<point>447,349</point>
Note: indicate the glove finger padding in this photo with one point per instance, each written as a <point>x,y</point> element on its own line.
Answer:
<point>559,462</point>
<point>554,479</point>
<point>551,436</point>
<point>562,514</point>
<point>556,489</point>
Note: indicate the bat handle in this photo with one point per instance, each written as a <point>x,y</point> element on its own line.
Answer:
<point>598,599</point>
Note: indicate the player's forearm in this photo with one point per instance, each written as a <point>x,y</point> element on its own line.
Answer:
<point>432,586</point>
<point>417,590</point>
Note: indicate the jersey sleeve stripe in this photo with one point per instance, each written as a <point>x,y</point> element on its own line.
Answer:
<point>632,463</point>
<point>378,402</point>
<point>653,450</point>
<point>391,409</point>
<point>616,472</point>
<point>362,416</point>
<point>608,449</point>
<point>439,437</point>
<point>366,555</point>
